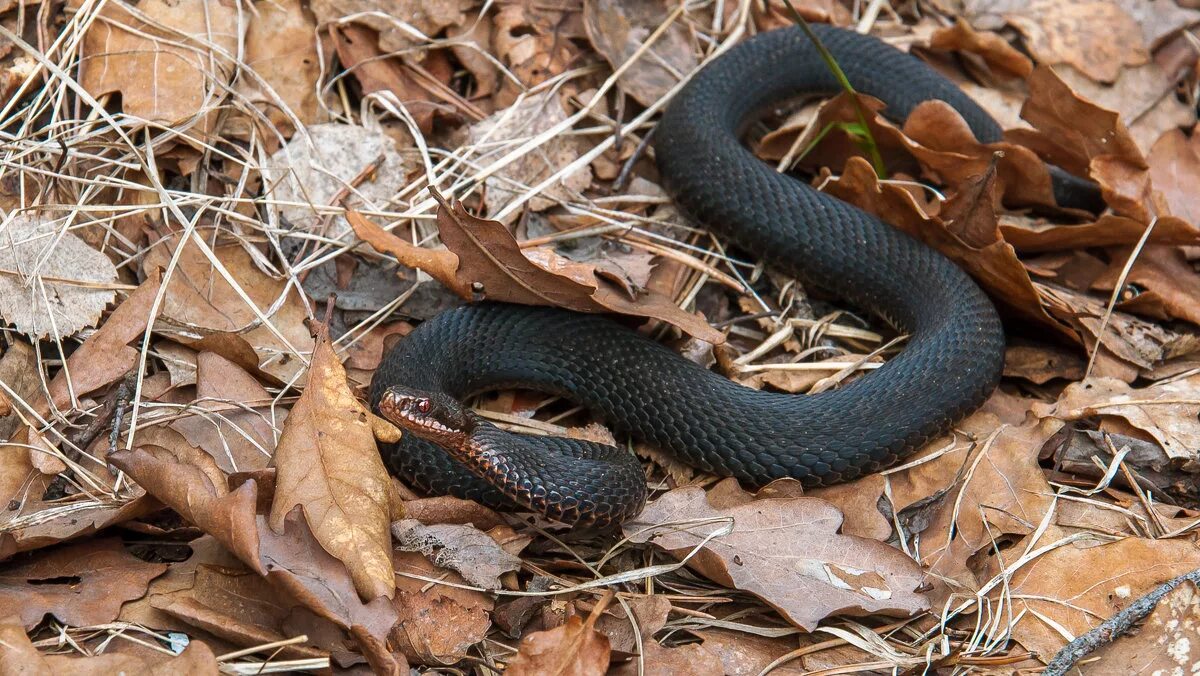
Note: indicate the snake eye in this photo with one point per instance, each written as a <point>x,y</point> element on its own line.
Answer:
<point>423,405</point>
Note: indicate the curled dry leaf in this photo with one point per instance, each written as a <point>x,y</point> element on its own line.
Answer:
<point>81,584</point>
<point>169,62</point>
<point>574,649</point>
<point>463,549</point>
<point>1169,285</point>
<point>995,50</point>
<point>485,261</point>
<point>327,464</point>
<point>619,28</point>
<point>52,283</point>
<point>437,624</point>
<point>1166,411</point>
<point>188,480</point>
<point>786,551</point>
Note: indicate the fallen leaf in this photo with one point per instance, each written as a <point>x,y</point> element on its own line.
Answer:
<point>314,169</point>
<point>1168,286</point>
<point>359,51</point>
<point>160,78</point>
<point>694,659</point>
<point>649,615</point>
<point>16,650</point>
<point>19,371</point>
<point>281,52</point>
<point>446,509</point>
<point>1174,168</point>
<point>189,481</point>
<point>744,654</point>
<point>81,584</point>
<point>973,490</point>
<point>574,649</point>
<point>995,50</point>
<point>1166,411</point>
<point>52,284</point>
<point>1164,642</point>
<point>1108,230</point>
<point>535,42</point>
<point>327,463</point>
<point>299,566</point>
<point>463,549</point>
<point>1140,95</point>
<point>1040,364</point>
<point>1095,36</point>
<point>1075,586</point>
<point>619,28</point>
<point>485,261</point>
<point>427,17</point>
<point>512,127</point>
<point>787,552</point>
<point>200,300</point>
<point>233,421</point>
<point>436,624</point>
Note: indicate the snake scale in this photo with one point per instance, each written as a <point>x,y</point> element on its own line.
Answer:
<point>950,365</point>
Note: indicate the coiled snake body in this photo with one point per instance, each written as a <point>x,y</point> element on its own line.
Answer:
<point>951,363</point>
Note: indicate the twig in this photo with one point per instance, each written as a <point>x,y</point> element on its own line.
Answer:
<point>1112,628</point>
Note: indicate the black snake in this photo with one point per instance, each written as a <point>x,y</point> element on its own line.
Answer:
<point>950,365</point>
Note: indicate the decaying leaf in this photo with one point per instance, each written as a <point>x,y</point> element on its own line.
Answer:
<point>328,465</point>
<point>619,28</point>
<point>574,649</point>
<point>485,261</point>
<point>1076,584</point>
<point>786,551</point>
<point>82,584</point>
<point>318,169</point>
<point>463,549</point>
<point>1164,642</point>
<point>436,624</point>
<point>170,61</point>
<point>52,283</point>
<point>1166,411</point>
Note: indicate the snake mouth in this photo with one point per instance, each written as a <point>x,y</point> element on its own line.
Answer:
<point>420,413</point>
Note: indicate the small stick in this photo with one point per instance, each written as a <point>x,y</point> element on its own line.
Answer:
<point>1112,628</point>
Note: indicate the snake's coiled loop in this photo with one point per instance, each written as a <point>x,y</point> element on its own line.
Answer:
<point>951,363</point>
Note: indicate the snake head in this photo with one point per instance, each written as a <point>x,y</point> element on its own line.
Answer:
<point>433,416</point>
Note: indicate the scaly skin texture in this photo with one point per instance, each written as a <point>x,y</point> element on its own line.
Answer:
<point>951,363</point>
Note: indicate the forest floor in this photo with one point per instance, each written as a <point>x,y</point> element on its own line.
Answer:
<point>212,215</point>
